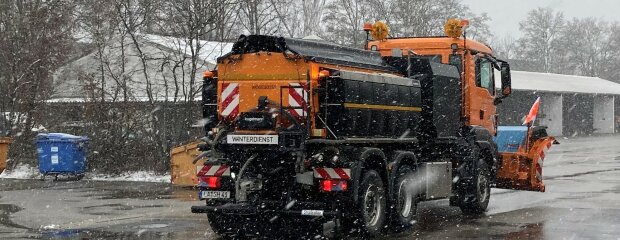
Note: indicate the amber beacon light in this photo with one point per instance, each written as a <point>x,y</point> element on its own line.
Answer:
<point>454,27</point>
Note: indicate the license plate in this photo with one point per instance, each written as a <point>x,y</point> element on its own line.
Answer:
<point>214,194</point>
<point>252,139</point>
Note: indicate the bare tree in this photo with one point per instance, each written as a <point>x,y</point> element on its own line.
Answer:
<point>541,32</point>
<point>257,16</point>
<point>479,29</point>
<point>133,16</point>
<point>413,18</point>
<point>343,21</point>
<point>97,22</point>
<point>589,46</point>
<point>505,47</point>
<point>35,38</point>
<point>611,73</point>
<point>226,21</point>
<point>312,11</point>
<point>344,18</point>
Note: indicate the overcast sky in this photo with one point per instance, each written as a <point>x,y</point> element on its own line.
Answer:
<point>506,15</point>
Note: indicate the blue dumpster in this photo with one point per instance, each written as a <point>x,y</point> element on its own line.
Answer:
<point>61,154</point>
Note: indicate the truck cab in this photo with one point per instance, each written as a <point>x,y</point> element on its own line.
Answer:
<point>476,65</point>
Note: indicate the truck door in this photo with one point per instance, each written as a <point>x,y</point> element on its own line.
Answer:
<point>481,94</point>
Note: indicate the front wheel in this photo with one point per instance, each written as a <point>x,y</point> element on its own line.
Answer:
<point>405,200</point>
<point>475,200</point>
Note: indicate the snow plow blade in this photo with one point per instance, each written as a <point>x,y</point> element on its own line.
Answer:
<point>522,158</point>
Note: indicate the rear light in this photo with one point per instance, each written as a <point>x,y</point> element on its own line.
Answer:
<point>210,175</point>
<point>331,185</point>
<point>210,182</point>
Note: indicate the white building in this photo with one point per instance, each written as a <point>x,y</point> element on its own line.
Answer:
<point>120,66</point>
<point>570,105</point>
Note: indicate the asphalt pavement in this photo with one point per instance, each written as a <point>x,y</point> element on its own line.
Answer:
<point>582,201</point>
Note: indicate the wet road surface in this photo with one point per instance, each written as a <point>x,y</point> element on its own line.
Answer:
<point>582,201</point>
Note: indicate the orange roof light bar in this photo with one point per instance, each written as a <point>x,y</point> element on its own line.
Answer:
<point>324,74</point>
<point>464,23</point>
<point>367,26</point>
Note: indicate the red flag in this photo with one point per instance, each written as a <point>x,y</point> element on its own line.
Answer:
<point>531,116</point>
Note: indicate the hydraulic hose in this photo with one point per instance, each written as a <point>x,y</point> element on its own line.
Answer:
<point>240,177</point>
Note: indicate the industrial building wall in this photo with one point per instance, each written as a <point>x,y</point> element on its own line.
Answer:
<point>550,113</point>
<point>603,114</point>
<point>617,113</point>
<point>512,110</point>
<point>565,114</point>
<point>578,114</point>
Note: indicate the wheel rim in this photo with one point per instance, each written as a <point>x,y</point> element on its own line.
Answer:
<point>372,205</point>
<point>405,200</point>
<point>483,191</point>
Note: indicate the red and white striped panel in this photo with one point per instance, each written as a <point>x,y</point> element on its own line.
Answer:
<point>332,173</point>
<point>214,170</point>
<point>230,100</point>
<point>297,97</point>
<point>541,160</point>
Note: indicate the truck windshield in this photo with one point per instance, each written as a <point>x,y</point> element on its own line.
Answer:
<point>433,58</point>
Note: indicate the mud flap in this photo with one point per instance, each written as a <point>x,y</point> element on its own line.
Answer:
<point>522,169</point>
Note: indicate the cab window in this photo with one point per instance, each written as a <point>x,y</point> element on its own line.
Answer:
<point>433,58</point>
<point>484,75</point>
<point>457,61</point>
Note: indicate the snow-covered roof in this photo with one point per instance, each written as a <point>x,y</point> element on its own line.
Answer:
<point>168,67</point>
<point>549,82</point>
<point>133,99</point>
<point>209,51</point>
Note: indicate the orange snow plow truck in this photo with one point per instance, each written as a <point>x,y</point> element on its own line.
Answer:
<point>304,133</point>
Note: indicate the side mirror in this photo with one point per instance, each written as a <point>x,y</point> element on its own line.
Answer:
<point>506,80</point>
<point>504,68</point>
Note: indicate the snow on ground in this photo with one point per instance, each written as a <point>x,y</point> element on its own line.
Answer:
<point>137,176</point>
<point>21,171</point>
<point>25,171</point>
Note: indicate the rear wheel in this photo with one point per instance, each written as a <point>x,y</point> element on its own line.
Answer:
<point>475,199</point>
<point>372,203</point>
<point>405,200</point>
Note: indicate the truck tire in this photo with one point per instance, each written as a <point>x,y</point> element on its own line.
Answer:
<point>405,200</point>
<point>372,203</point>
<point>475,198</point>
<point>538,132</point>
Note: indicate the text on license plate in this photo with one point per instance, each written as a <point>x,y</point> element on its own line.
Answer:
<point>252,139</point>
<point>214,194</point>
